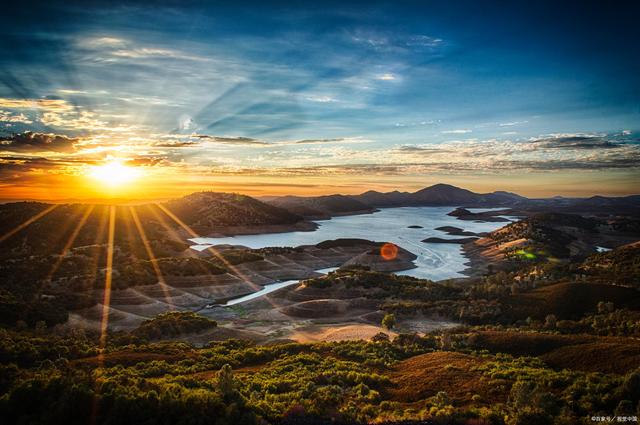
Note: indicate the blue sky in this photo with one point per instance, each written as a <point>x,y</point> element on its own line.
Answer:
<point>292,85</point>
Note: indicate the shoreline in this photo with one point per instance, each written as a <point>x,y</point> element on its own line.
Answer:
<point>474,264</point>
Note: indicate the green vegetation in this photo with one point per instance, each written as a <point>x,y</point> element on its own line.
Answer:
<point>620,266</point>
<point>236,382</point>
<point>547,236</point>
<point>389,321</point>
<point>543,342</point>
<point>172,324</point>
<point>384,286</point>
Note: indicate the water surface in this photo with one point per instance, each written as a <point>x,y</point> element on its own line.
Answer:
<point>435,261</point>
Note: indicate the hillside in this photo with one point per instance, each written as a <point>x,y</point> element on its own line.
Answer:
<point>621,265</point>
<point>548,332</point>
<point>34,227</point>
<point>54,255</point>
<point>207,212</point>
<point>546,237</point>
<point>320,207</point>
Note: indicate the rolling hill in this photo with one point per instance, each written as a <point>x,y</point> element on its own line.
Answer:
<point>320,207</point>
<point>208,212</point>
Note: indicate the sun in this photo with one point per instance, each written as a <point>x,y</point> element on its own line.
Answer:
<point>114,174</point>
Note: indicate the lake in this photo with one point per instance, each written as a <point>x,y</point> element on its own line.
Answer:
<point>435,261</point>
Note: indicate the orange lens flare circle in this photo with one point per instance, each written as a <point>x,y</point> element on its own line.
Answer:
<point>389,251</point>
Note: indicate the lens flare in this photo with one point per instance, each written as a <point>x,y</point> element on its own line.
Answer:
<point>389,251</point>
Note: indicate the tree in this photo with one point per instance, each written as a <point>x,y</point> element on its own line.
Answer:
<point>226,382</point>
<point>380,337</point>
<point>550,321</point>
<point>389,321</point>
<point>441,399</point>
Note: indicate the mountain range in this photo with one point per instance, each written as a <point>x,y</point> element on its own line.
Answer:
<point>440,195</point>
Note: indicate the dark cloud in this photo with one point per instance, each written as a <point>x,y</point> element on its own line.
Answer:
<point>38,142</point>
<point>231,140</point>
<point>177,144</point>
<point>576,142</point>
<point>16,169</point>
<point>420,150</point>
<point>558,165</point>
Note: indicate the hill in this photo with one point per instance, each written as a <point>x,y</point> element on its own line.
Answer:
<point>621,265</point>
<point>566,300</point>
<point>546,237</point>
<point>439,195</point>
<point>321,207</point>
<point>574,352</point>
<point>54,255</point>
<point>231,213</point>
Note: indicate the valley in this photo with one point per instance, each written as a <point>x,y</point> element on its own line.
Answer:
<point>409,311</point>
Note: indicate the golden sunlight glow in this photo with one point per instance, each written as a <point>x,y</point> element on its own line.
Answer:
<point>114,173</point>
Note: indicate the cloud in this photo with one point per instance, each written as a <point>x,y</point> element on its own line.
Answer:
<point>71,91</point>
<point>336,140</point>
<point>386,77</point>
<point>55,112</point>
<point>512,123</point>
<point>38,142</point>
<point>148,161</point>
<point>46,104</point>
<point>177,144</point>
<point>6,116</point>
<point>576,142</point>
<point>389,42</point>
<point>321,99</point>
<point>98,42</point>
<point>423,41</point>
<point>116,47</point>
<point>197,140</point>
<point>230,140</point>
<point>422,150</point>
<point>459,131</point>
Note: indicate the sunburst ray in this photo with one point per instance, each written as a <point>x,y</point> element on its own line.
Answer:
<point>28,222</point>
<point>152,257</point>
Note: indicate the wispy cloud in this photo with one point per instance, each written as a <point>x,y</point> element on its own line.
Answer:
<point>458,131</point>
<point>115,47</point>
<point>230,140</point>
<point>386,77</point>
<point>321,99</point>
<point>512,123</point>
<point>8,117</point>
<point>384,41</point>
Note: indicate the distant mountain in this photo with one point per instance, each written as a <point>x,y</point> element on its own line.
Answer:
<point>444,194</point>
<point>603,201</point>
<point>439,195</point>
<point>380,199</point>
<point>448,195</point>
<point>320,207</point>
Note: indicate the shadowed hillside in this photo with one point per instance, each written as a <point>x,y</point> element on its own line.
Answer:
<point>320,207</point>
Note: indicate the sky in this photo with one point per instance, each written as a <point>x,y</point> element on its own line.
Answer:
<point>269,98</point>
